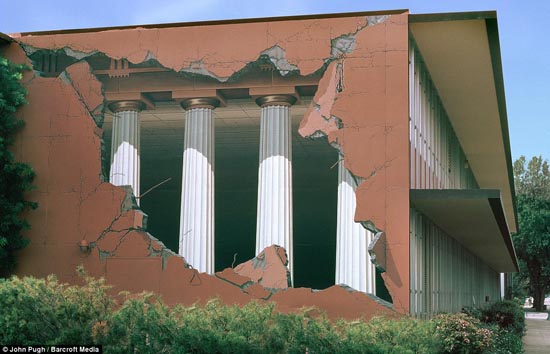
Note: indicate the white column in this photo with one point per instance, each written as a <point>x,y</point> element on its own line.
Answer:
<point>196,238</point>
<point>274,217</point>
<point>353,265</point>
<point>502,286</point>
<point>125,150</point>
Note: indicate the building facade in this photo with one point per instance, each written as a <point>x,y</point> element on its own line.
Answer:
<point>348,140</point>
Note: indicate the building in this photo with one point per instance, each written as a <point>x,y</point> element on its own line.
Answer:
<point>325,134</point>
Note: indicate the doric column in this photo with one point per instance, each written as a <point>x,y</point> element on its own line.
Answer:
<point>196,239</point>
<point>274,217</point>
<point>353,266</point>
<point>125,142</point>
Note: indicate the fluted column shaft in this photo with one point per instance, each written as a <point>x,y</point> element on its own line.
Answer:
<point>196,237</point>
<point>125,145</point>
<point>274,215</point>
<point>353,265</point>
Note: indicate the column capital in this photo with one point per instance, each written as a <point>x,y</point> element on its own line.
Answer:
<point>119,106</point>
<point>275,100</point>
<point>200,102</point>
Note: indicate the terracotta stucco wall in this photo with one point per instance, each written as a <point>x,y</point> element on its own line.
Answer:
<point>361,104</point>
<point>368,120</point>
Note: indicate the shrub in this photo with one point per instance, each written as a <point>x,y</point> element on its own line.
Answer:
<point>141,325</point>
<point>461,333</point>
<point>43,311</point>
<point>505,342</point>
<point>145,325</point>
<point>474,312</point>
<point>506,314</point>
<point>383,335</point>
<point>507,320</point>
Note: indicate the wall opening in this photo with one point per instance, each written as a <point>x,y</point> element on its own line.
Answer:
<point>315,185</point>
<point>237,133</point>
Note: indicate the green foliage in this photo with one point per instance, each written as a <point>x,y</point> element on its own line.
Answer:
<point>43,311</point>
<point>520,286</point>
<point>15,178</point>
<point>506,342</point>
<point>532,242</point>
<point>145,325</point>
<point>140,326</point>
<point>506,320</point>
<point>461,333</point>
<point>381,335</point>
<point>508,315</point>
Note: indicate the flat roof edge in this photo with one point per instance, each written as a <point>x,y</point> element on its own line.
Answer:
<point>498,211</point>
<point>219,22</point>
<point>430,194</point>
<point>496,61</point>
<point>452,16</point>
<point>493,197</point>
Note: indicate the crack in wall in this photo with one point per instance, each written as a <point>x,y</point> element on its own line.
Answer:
<point>109,228</point>
<point>341,47</point>
<point>277,56</point>
<point>97,113</point>
<point>197,67</point>
<point>377,250</point>
<point>345,43</point>
<point>331,87</point>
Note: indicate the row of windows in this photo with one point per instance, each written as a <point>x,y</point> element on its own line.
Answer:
<point>445,276</point>
<point>437,159</point>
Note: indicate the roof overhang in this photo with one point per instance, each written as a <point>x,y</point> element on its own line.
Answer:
<point>462,54</point>
<point>473,217</point>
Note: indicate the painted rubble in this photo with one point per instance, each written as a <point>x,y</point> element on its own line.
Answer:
<point>360,105</point>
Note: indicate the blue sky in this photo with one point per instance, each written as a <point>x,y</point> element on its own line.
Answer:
<point>524,31</point>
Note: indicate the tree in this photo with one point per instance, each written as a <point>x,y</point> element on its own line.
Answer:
<point>15,177</point>
<point>532,242</point>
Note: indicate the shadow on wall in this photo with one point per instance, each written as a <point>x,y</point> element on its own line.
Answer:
<point>63,143</point>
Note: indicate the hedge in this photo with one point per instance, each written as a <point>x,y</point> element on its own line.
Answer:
<point>44,311</point>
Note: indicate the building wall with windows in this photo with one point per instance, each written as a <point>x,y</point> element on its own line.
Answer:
<point>447,271</point>
<point>437,159</point>
<point>445,276</point>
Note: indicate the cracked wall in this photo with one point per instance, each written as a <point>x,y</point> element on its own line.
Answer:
<point>361,105</point>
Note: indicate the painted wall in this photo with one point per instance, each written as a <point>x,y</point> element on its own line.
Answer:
<point>361,105</point>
